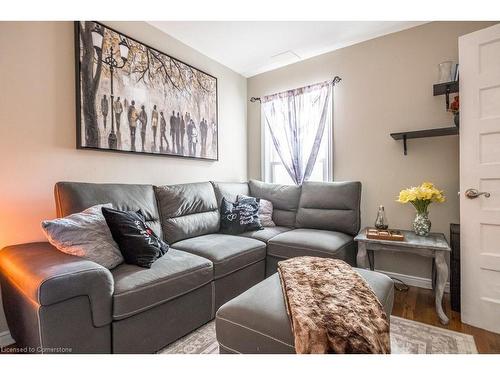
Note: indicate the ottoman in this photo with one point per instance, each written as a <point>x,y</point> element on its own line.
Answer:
<point>257,322</point>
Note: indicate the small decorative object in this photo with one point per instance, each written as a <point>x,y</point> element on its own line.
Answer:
<point>132,97</point>
<point>455,109</point>
<point>445,71</point>
<point>381,221</point>
<point>421,197</point>
<point>386,235</point>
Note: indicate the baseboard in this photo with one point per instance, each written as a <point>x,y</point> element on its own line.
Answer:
<point>420,282</point>
<point>6,339</point>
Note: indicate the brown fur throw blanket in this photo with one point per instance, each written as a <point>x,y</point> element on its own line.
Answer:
<point>331,308</point>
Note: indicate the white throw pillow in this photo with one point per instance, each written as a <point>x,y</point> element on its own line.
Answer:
<point>85,234</point>
<point>265,211</point>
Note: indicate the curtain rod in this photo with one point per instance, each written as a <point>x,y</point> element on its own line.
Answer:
<point>335,80</point>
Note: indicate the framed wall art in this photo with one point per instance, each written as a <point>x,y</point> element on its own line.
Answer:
<point>134,98</point>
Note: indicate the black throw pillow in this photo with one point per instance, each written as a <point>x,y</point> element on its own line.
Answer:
<point>239,217</point>
<point>138,244</point>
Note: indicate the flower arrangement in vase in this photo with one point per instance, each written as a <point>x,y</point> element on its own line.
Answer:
<point>421,197</point>
<point>455,109</point>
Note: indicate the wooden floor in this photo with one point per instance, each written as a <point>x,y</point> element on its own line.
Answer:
<point>418,304</point>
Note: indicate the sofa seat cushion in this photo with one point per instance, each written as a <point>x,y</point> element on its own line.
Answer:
<point>265,234</point>
<point>176,273</point>
<point>257,321</point>
<point>227,252</point>
<point>313,242</point>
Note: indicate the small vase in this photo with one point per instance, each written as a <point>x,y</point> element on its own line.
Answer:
<point>445,71</point>
<point>422,224</point>
<point>381,221</point>
<point>456,119</point>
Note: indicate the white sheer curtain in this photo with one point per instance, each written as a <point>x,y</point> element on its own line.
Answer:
<point>296,121</point>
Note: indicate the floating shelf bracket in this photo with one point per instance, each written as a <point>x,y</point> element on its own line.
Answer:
<point>447,97</point>
<point>446,89</point>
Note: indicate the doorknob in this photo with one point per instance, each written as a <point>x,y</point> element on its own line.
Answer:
<point>474,193</point>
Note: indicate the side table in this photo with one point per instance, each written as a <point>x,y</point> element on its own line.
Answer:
<point>434,246</point>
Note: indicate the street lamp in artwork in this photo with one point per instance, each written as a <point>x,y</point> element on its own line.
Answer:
<point>112,63</point>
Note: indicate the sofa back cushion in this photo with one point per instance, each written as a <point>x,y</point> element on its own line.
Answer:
<point>229,190</point>
<point>187,210</point>
<point>73,197</point>
<point>331,206</point>
<point>285,200</point>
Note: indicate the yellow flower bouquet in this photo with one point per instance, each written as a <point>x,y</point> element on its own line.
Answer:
<point>421,197</point>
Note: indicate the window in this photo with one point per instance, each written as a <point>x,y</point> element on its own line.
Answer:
<point>297,119</point>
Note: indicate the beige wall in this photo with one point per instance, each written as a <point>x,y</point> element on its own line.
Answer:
<point>37,126</point>
<point>386,87</point>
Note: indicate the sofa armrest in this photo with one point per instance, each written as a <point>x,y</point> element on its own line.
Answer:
<point>47,276</point>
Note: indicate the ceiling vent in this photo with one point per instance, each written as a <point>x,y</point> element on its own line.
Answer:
<point>286,57</point>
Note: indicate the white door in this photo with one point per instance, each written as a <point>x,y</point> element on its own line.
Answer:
<point>479,55</point>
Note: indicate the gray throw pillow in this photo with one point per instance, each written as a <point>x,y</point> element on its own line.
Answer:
<point>85,234</point>
<point>265,211</point>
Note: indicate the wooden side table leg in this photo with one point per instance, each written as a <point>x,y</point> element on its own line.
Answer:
<point>362,257</point>
<point>371,259</point>
<point>442,276</point>
<point>433,276</point>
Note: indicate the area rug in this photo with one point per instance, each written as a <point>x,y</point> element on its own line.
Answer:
<point>407,337</point>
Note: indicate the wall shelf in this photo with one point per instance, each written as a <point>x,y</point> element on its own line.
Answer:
<point>438,132</point>
<point>442,88</point>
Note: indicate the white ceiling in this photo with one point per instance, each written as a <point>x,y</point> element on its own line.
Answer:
<point>253,47</point>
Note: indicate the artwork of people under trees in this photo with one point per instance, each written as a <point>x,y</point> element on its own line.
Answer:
<point>134,98</point>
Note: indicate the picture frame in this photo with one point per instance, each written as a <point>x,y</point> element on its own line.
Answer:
<point>131,97</point>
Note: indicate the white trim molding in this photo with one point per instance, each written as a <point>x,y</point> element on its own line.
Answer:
<point>420,282</point>
<point>6,339</point>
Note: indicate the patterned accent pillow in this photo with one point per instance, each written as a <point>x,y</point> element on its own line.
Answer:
<point>239,217</point>
<point>138,243</point>
<point>85,234</point>
<point>265,211</point>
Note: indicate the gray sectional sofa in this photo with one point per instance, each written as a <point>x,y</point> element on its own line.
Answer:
<point>53,300</point>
